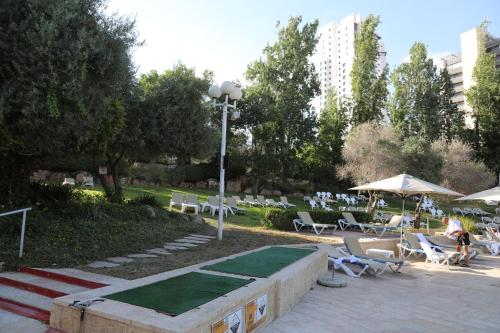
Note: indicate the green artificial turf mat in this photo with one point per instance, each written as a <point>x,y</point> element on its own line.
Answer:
<point>261,263</point>
<point>181,293</point>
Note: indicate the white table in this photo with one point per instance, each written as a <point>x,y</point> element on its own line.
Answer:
<point>379,252</point>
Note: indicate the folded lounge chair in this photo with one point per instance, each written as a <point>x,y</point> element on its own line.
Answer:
<point>271,202</point>
<point>251,201</point>
<point>238,200</point>
<point>305,220</point>
<point>435,257</point>
<point>261,200</point>
<point>352,245</point>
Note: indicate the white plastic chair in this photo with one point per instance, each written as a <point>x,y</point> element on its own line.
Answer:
<point>313,204</point>
<point>435,258</point>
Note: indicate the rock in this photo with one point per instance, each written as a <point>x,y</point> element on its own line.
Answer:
<point>190,240</point>
<point>248,190</point>
<point>119,260</point>
<point>213,183</point>
<point>183,244</point>
<point>151,212</point>
<point>173,248</point>
<point>276,192</point>
<point>233,186</point>
<point>266,192</point>
<point>142,255</point>
<point>201,184</point>
<point>198,219</point>
<point>202,236</point>
<point>102,264</point>
<point>161,252</point>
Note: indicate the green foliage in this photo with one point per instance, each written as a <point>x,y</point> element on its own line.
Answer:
<point>52,195</point>
<point>276,108</point>
<point>145,200</point>
<point>281,219</point>
<point>85,231</point>
<point>453,122</point>
<point>421,161</point>
<point>467,223</point>
<point>178,119</point>
<point>415,105</point>
<point>485,102</point>
<point>369,88</point>
<point>66,67</point>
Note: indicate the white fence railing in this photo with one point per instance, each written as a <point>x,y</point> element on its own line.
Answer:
<point>23,226</point>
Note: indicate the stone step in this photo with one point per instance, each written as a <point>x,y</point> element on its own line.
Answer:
<point>161,252</point>
<point>174,248</point>
<point>102,264</point>
<point>89,276</point>
<point>25,297</point>
<point>183,244</point>
<point>204,240</point>
<point>202,236</point>
<point>44,282</point>
<point>192,241</point>
<point>120,260</point>
<point>15,323</point>
<point>141,255</point>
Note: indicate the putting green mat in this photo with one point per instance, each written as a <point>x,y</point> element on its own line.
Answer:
<point>261,263</point>
<point>181,293</point>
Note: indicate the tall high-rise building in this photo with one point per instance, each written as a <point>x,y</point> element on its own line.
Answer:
<point>460,66</point>
<point>334,56</point>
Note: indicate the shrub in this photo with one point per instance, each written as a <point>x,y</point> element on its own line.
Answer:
<point>467,223</point>
<point>146,199</point>
<point>52,195</point>
<point>281,219</point>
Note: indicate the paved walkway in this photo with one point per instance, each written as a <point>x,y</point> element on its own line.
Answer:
<point>421,299</point>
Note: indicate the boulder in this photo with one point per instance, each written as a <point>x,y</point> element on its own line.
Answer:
<point>266,192</point>
<point>277,192</point>
<point>233,186</point>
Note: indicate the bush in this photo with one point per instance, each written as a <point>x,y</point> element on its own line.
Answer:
<point>146,199</point>
<point>281,219</point>
<point>52,195</point>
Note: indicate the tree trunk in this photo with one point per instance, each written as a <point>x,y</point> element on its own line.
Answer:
<point>418,215</point>
<point>114,193</point>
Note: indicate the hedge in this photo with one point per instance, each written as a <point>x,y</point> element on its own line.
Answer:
<point>281,219</point>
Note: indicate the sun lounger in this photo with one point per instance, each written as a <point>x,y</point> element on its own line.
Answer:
<point>394,224</point>
<point>444,243</point>
<point>414,240</point>
<point>251,201</point>
<point>176,200</point>
<point>271,202</point>
<point>342,260</point>
<point>284,201</point>
<point>305,220</point>
<point>436,258</point>
<point>232,204</point>
<point>191,202</point>
<point>261,200</point>
<point>238,200</point>
<point>492,246</point>
<point>350,222</point>
<point>352,245</point>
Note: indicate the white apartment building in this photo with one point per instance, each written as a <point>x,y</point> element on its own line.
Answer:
<point>334,56</point>
<point>460,66</point>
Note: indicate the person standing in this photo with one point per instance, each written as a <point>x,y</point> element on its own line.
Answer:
<point>455,230</point>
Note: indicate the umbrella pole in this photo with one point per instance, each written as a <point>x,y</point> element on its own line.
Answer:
<point>401,235</point>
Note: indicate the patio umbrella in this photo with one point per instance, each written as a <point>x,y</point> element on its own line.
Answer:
<point>493,194</point>
<point>405,185</point>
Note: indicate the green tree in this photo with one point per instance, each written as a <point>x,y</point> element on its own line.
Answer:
<point>485,102</point>
<point>415,105</point>
<point>178,117</point>
<point>65,70</point>
<point>282,85</point>
<point>333,125</point>
<point>452,119</point>
<point>369,88</point>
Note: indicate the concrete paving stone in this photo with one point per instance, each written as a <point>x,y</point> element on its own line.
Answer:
<point>174,248</point>
<point>141,255</point>
<point>102,264</point>
<point>184,245</point>
<point>187,240</point>
<point>204,240</point>
<point>203,236</point>
<point>161,252</point>
<point>120,260</point>
<point>13,323</point>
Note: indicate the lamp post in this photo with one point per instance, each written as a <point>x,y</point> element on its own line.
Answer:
<point>230,91</point>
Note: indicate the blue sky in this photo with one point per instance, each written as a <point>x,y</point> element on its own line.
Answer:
<point>226,35</point>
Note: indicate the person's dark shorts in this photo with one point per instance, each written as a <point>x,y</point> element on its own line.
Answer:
<point>463,239</point>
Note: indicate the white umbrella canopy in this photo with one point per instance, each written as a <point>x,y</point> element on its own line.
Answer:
<point>405,185</point>
<point>493,194</point>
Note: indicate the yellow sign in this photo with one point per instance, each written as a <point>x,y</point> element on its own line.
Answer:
<point>232,323</point>
<point>256,312</point>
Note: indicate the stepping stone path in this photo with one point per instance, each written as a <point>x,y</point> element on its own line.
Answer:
<point>190,241</point>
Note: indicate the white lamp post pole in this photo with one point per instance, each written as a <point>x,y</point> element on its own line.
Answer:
<point>229,90</point>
